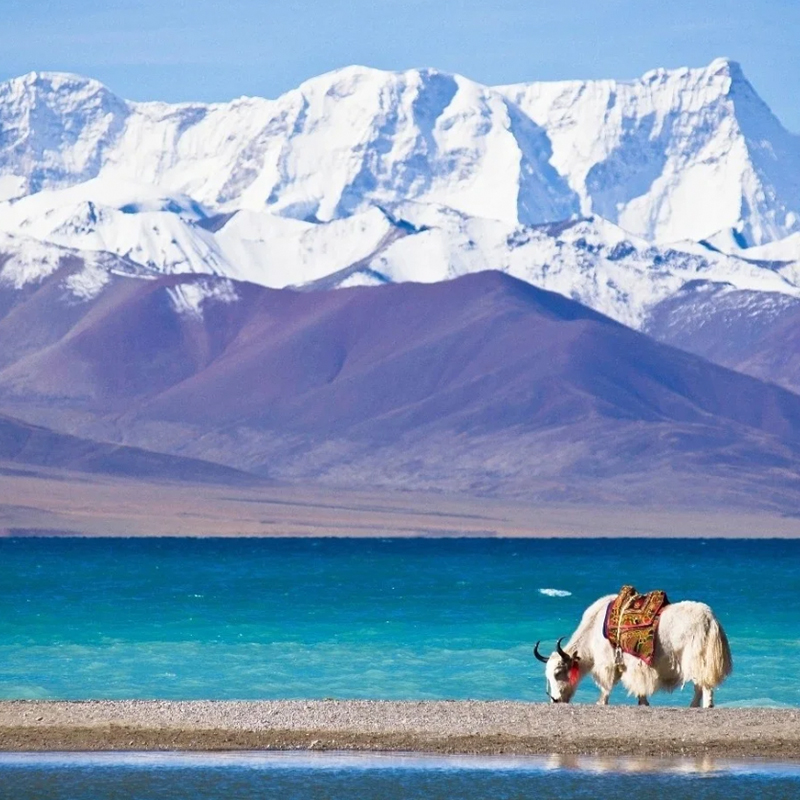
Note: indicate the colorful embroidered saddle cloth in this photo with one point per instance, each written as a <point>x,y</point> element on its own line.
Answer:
<point>632,620</point>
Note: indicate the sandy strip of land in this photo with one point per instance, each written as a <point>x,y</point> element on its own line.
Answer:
<point>430,726</point>
<point>45,502</point>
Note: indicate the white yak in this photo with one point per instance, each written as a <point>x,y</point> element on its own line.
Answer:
<point>690,646</point>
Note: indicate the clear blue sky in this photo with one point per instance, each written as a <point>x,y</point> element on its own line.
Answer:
<point>203,50</point>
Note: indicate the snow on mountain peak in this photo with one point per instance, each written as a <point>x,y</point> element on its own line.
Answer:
<point>25,261</point>
<point>729,68</point>
<point>52,88</point>
<point>589,260</point>
<point>676,154</point>
<point>366,176</point>
<point>57,130</point>
<point>359,136</point>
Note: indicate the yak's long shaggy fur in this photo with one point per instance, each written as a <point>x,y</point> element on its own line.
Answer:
<point>690,647</point>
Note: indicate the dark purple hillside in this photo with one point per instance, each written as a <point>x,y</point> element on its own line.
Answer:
<point>481,353</point>
<point>481,384</point>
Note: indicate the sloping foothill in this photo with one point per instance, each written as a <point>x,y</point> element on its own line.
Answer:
<point>22,443</point>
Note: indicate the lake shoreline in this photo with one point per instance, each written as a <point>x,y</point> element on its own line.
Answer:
<point>57,503</point>
<point>442,727</point>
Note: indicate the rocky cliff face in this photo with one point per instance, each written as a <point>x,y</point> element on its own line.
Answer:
<point>674,155</point>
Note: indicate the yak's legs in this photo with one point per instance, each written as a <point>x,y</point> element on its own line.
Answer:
<point>698,694</point>
<point>610,677</point>
<point>708,697</point>
<point>643,701</point>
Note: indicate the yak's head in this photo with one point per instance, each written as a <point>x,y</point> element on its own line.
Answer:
<point>562,672</point>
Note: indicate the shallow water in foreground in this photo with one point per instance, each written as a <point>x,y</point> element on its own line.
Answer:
<point>364,618</point>
<point>294,776</point>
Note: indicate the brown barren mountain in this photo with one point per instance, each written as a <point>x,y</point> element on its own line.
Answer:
<point>482,385</point>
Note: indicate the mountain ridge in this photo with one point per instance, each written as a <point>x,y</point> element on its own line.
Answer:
<point>435,137</point>
<point>484,385</point>
<point>146,250</point>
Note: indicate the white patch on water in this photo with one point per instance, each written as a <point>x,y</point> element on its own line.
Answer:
<point>555,592</point>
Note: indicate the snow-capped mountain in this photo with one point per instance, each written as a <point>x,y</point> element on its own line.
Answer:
<point>26,262</point>
<point>330,147</point>
<point>170,233</point>
<point>590,260</point>
<point>674,155</point>
<point>678,154</point>
<point>619,195</point>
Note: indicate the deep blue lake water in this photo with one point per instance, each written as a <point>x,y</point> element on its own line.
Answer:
<point>343,618</point>
<point>344,777</point>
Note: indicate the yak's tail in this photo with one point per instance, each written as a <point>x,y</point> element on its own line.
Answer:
<point>712,661</point>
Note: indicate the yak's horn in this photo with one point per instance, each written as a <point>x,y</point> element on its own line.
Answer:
<point>561,652</point>
<point>538,655</point>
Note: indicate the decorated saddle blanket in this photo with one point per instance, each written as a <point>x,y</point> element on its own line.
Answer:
<point>632,620</point>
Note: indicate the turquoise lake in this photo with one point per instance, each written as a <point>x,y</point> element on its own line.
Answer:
<point>364,618</point>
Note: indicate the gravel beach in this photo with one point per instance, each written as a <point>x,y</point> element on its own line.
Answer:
<point>430,726</point>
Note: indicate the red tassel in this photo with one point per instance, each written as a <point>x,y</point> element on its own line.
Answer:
<point>574,673</point>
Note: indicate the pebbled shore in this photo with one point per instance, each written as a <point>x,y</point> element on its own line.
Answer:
<point>430,726</point>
